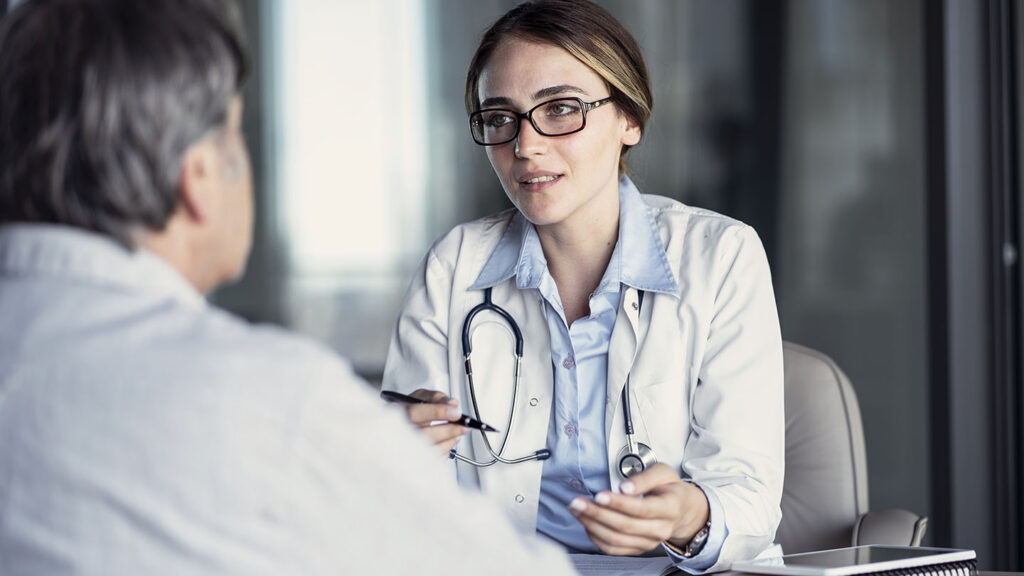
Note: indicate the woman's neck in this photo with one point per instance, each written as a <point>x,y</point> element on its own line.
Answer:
<point>578,253</point>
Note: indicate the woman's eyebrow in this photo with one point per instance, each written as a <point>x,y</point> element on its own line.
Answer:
<point>556,90</point>
<point>496,101</point>
<point>542,93</point>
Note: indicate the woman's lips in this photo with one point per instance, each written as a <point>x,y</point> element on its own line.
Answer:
<point>538,182</point>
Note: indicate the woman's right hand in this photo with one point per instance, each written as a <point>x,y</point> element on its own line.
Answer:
<point>440,408</point>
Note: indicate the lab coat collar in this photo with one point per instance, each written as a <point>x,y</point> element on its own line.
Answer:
<point>518,252</point>
<point>508,254</point>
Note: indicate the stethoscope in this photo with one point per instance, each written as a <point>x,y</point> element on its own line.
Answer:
<point>633,458</point>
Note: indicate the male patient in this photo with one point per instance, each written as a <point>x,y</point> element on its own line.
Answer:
<point>141,430</point>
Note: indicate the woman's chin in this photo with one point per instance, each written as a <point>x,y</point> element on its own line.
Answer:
<point>542,217</point>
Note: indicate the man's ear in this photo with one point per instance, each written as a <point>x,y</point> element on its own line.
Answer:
<point>196,181</point>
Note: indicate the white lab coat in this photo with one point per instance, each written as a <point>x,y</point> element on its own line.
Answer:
<point>706,367</point>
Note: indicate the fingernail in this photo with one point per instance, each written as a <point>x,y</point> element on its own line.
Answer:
<point>627,487</point>
<point>603,498</point>
<point>453,401</point>
<point>578,505</point>
<point>453,413</point>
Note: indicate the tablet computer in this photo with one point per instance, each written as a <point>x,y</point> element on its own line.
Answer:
<point>864,560</point>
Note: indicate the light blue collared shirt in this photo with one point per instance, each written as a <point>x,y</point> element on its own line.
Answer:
<point>578,465</point>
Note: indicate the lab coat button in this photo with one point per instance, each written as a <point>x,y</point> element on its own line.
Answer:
<point>576,485</point>
<point>534,401</point>
<point>520,499</point>
<point>570,430</point>
<point>568,363</point>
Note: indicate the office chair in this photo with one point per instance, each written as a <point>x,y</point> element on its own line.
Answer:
<point>825,491</point>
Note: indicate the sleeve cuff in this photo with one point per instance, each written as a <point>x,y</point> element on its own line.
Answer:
<point>716,538</point>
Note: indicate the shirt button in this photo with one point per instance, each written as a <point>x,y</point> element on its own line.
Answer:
<point>520,499</point>
<point>570,430</point>
<point>569,362</point>
<point>636,306</point>
<point>576,484</point>
<point>534,401</point>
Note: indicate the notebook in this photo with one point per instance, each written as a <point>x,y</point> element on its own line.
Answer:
<point>884,560</point>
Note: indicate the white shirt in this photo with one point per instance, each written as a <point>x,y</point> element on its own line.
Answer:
<point>143,431</point>
<point>704,360</point>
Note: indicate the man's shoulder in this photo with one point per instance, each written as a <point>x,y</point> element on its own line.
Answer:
<point>263,349</point>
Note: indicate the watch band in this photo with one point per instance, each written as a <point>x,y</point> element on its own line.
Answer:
<point>696,544</point>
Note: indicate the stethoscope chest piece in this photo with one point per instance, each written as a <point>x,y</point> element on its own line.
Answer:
<point>635,462</point>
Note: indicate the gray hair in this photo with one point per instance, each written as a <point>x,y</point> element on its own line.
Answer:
<point>100,99</point>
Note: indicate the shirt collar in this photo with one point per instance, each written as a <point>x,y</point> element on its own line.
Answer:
<point>63,251</point>
<point>518,252</point>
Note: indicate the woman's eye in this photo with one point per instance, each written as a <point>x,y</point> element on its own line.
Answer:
<point>562,109</point>
<point>498,120</point>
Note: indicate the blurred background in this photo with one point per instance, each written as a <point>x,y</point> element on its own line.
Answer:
<point>873,144</point>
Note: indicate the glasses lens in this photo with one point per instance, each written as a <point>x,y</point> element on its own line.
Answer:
<point>493,126</point>
<point>559,117</point>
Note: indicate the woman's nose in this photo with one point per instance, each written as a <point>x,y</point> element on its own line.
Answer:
<point>529,141</point>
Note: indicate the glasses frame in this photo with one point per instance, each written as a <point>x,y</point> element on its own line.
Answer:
<point>528,115</point>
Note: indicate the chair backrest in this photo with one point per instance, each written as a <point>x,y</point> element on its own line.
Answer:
<point>825,488</point>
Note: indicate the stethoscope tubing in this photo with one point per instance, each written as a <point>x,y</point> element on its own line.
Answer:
<point>467,352</point>
<point>634,450</point>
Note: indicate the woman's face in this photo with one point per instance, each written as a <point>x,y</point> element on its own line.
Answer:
<point>571,179</point>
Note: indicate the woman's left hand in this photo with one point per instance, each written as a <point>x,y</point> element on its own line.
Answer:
<point>655,506</point>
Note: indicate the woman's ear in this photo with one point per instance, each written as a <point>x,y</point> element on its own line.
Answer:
<point>631,135</point>
<point>195,188</point>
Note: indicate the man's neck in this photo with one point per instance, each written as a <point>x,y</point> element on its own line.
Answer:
<point>177,245</point>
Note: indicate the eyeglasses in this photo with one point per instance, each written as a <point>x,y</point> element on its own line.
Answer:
<point>558,117</point>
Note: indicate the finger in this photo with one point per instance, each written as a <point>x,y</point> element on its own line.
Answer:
<point>592,514</point>
<point>433,396</point>
<point>613,541</point>
<point>649,507</point>
<point>446,446</point>
<point>618,544</point>
<point>666,502</point>
<point>444,432</point>
<point>649,479</point>
<point>424,414</point>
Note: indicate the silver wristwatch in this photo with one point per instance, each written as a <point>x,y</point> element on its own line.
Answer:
<point>696,544</point>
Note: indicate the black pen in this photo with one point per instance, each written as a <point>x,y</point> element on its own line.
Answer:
<point>464,420</point>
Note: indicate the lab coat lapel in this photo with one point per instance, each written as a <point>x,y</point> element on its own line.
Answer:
<point>621,354</point>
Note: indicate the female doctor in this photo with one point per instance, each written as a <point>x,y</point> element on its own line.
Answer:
<point>629,311</point>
